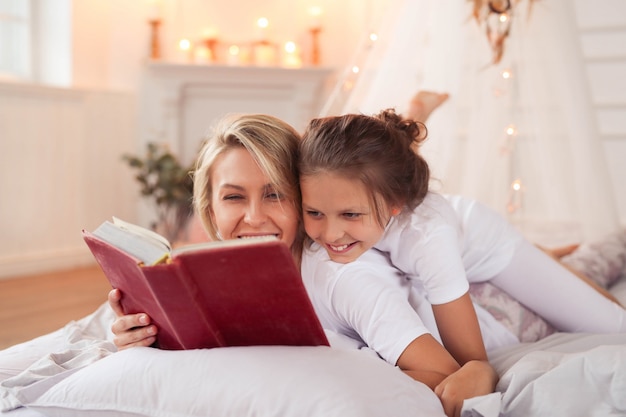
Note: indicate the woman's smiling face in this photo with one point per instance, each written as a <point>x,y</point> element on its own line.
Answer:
<point>245,204</point>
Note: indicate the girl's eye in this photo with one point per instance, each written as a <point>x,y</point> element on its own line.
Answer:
<point>352,215</point>
<point>313,214</point>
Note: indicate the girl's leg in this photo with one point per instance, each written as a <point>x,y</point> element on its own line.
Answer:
<point>560,297</point>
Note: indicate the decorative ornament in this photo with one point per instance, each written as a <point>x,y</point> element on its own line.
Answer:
<point>496,16</point>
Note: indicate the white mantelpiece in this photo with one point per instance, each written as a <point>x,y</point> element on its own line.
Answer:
<point>180,103</point>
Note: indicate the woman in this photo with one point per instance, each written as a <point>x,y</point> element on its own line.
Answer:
<point>245,184</point>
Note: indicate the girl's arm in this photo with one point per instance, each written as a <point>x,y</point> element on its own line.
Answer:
<point>425,360</point>
<point>460,333</point>
<point>459,330</point>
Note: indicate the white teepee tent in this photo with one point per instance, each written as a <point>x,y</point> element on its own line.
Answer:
<point>518,135</point>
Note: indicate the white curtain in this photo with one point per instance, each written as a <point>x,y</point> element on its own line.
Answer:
<point>552,151</point>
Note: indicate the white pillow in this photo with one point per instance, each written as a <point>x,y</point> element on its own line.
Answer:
<point>255,381</point>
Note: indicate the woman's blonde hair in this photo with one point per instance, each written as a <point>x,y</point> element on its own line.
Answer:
<point>272,143</point>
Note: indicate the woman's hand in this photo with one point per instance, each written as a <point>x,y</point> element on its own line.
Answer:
<point>132,329</point>
<point>473,379</point>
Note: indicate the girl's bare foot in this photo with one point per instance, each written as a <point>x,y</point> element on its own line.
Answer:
<point>423,103</point>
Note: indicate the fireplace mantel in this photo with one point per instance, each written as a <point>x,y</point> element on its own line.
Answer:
<point>180,103</point>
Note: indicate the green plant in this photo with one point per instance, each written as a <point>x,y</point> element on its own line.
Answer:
<point>167,184</point>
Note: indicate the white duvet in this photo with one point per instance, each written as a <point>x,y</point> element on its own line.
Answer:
<point>73,372</point>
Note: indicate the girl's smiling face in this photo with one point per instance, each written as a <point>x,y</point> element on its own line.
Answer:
<point>339,216</point>
<point>245,204</point>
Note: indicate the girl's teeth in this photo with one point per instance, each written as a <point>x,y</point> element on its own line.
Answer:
<point>339,248</point>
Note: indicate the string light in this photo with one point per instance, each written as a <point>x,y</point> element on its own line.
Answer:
<point>511,130</point>
<point>515,197</point>
<point>339,96</point>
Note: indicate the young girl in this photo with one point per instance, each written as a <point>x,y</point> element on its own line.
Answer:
<point>365,186</point>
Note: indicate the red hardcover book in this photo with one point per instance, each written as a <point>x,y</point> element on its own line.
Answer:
<point>215,294</point>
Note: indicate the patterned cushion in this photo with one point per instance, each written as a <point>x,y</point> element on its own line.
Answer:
<point>604,261</point>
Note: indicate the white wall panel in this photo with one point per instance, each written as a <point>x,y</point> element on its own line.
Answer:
<point>60,172</point>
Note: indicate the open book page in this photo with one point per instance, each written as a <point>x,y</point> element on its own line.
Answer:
<point>142,231</point>
<point>222,244</point>
<point>151,248</point>
<point>135,241</point>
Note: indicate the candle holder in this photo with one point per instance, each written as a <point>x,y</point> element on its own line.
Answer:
<point>315,45</point>
<point>211,45</point>
<point>155,47</point>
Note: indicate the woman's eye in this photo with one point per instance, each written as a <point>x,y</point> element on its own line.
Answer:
<point>232,197</point>
<point>274,196</point>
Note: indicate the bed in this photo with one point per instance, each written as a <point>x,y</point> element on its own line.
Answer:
<point>75,371</point>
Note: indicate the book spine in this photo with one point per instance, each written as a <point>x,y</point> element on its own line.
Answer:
<point>178,297</point>
<point>138,296</point>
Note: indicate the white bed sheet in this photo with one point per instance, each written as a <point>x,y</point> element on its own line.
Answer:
<point>562,375</point>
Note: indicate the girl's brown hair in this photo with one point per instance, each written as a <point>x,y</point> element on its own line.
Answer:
<point>380,150</point>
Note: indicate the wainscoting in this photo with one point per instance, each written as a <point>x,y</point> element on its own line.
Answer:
<point>61,171</point>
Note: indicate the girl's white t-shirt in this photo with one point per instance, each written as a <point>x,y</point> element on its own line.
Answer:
<point>374,303</point>
<point>365,300</point>
<point>447,242</point>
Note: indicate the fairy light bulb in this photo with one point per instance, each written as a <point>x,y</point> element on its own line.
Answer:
<point>373,37</point>
<point>355,69</point>
<point>515,197</point>
<point>511,130</point>
<point>504,17</point>
<point>507,73</point>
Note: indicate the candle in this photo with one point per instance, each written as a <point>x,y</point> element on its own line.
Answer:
<point>154,10</point>
<point>202,55</point>
<point>234,55</point>
<point>210,32</point>
<point>185,50</point>
<point>262,24</point>
<point>315,14</point>
<point>291,56</point>
<point>264,54</point>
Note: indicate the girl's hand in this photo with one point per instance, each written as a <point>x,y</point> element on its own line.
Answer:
<point>473,379</point>
<point>132,329</point>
